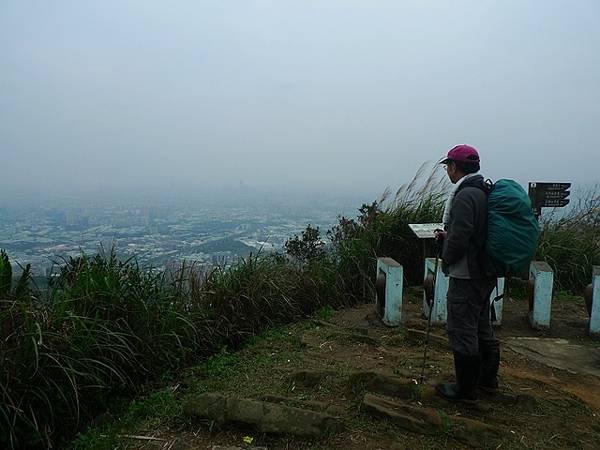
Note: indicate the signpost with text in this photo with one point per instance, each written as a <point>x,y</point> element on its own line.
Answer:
<point>548,195</point>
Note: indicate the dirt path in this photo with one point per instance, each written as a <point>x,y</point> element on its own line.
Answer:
<point>352,367</point>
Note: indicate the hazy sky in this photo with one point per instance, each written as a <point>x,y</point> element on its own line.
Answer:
<point>322,94</point>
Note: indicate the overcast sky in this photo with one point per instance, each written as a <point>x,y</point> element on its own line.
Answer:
<point>323,94</point>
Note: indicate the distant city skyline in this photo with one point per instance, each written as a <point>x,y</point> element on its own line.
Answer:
<point>158,233</point>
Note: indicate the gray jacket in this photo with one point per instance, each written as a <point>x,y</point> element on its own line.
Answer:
<point>463,251</point>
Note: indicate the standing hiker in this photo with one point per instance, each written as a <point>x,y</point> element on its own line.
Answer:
<point>476,349</point>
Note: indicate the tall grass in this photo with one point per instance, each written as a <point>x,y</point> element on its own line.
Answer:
<point>382,229</point>
<point>263,290</point>
<point>107,327</point>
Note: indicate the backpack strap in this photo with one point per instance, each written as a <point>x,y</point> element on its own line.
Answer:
<point>489,185</point>
<point>486,186</point>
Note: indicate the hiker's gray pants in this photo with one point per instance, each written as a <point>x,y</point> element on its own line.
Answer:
<point>469,325</point>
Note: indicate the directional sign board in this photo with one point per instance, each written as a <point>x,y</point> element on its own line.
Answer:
<point>548,195</point>
<point>555,202</point>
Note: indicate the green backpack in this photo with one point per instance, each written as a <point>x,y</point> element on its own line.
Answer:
<point>513,230</point>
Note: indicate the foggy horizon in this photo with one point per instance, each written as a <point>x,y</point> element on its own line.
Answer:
<point>346,97</point>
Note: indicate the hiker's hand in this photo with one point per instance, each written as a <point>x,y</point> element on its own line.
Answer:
<point>440,235</point>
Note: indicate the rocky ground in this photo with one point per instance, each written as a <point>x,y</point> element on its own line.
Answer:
<point>345,381</point>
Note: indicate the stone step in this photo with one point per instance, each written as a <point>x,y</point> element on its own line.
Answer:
<point>263,416</point>
<point>424,420</point>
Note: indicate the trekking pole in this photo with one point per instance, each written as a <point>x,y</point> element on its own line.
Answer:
<point>430,303</point>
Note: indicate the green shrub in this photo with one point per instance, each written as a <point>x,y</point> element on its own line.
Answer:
<point>306,246</point>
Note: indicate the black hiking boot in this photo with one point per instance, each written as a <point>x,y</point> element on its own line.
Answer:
<point>467,374</point>
<point>490,363</point>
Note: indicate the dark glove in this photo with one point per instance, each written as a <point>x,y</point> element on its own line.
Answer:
<point>440,235</point>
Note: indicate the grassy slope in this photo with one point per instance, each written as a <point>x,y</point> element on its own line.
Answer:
<point>556,420</point>
<point>225,372</point>
<point>261,368</point>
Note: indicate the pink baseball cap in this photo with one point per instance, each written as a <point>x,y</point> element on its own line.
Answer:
<point>462,153</point>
